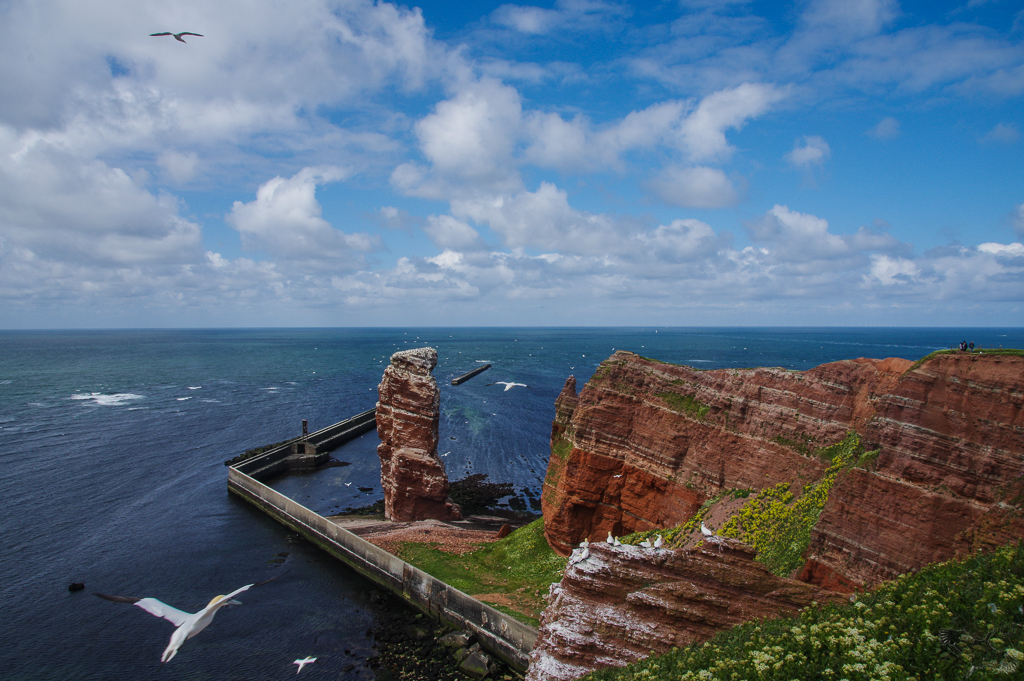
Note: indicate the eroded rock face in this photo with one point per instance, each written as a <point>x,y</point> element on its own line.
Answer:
<point>622,603</point>
<point>412,475</point>
<point>645,444</point>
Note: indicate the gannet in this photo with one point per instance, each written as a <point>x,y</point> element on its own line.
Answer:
<point>188,624</point>
<point>177,36</point>
<point>610,539</point>
<point>304,662</point>
<point>585,543</point>
<point>704,529</point>
<point>509,385</point>
<point>646,543</point>
<point>659,542</point>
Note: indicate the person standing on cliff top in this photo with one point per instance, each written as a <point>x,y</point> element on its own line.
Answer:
<point>971,346</point>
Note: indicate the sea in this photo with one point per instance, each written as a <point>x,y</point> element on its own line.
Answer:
<point>112,450</point>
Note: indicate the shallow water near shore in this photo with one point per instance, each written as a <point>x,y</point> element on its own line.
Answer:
<point>112,445</point>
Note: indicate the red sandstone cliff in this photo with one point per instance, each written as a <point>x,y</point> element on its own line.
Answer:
<point>632,453</point>
<point>412,475</point>
<point>622,603</point>
<point>645,444</point>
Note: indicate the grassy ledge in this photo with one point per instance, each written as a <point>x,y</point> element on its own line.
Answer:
<point>521,566</point>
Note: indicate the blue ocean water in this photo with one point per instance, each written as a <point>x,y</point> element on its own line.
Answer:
<point>112,446</point>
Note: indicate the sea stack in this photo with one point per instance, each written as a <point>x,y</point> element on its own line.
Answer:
<point>412,475</point>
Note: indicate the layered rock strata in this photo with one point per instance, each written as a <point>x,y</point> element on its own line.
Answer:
<point>622,603</point>
<point>408,411</point>
<point>645,444</point>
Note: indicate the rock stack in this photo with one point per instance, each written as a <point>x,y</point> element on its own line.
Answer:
<point>412,475</point>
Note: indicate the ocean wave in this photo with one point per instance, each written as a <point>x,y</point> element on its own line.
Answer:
<point>105,400</point>
<point>195,387</point>
<point>182,399</point>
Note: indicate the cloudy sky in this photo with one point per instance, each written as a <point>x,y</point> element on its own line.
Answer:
<point>576,162</point>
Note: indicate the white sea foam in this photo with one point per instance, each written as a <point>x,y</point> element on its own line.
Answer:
<point>182,399</point>
<point>105,400</point>
<point>195,387</point>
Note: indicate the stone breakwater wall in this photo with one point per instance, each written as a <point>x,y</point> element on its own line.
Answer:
<point>505,637</point>
<point>310,452</point>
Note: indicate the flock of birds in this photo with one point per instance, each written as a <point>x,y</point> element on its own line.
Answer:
<point>583,552</point>
<point>188,624</point>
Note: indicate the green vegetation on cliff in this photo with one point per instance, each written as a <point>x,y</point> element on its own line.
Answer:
<point>953,620</point>
<point>521,566</point>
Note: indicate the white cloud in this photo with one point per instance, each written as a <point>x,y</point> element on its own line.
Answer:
<point>682,240</point>
<point>284,220</point>
<point>542,220</point>
<point>59,207</point>
<point>568,15</point>
<point>809,150</point>
<point>447,232</point>
<point>702,134</point>
<point>178,167</point>
<point>893,271</point>
<point>887,128</point>
<point>472,135</point>
<point>696,187</point>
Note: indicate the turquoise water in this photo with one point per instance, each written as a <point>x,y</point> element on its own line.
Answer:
<point>112,446</point>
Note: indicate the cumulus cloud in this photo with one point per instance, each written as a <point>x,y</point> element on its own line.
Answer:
<point>447,232</point>
<point>696,187</point>
<point>57,206</point>
<point>542,220</point>
<point>702,134</point>
<point>809,151</point>
<point>284,221</point>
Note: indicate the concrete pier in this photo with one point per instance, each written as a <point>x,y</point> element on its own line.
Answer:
<point>470,374</point>
<point>499,634</point>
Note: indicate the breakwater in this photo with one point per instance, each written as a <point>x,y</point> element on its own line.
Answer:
<point>470,374</point>
<point>307,451</point>
<point>499,634</point>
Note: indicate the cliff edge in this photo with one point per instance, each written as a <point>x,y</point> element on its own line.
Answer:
<point>649,446</point>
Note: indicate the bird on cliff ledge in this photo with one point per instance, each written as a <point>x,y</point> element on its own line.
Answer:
<point>704,530</point>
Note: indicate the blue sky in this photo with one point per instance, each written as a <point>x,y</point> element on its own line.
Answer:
<point>345,163</point>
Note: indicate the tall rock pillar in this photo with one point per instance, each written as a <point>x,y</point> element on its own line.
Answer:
<point>412,475</point>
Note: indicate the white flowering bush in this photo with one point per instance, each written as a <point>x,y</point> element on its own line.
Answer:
<point>953,620</point>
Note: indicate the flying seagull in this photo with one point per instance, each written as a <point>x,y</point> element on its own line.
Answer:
<point>177,36</point>
<point>303,662</point>
<point>509,385</point>
<point>188,624</point>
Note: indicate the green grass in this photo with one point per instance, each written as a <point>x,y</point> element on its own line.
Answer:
<point>778,524</point>
<point>951,620</point>
<point>685,404</point>
<point>521,565</point>
<point>1016,352</point>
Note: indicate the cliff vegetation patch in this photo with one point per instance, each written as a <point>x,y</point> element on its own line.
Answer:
<point>778,525</point>
<point>685,404</point>
<point>513,573</point>
<point>952,620</point>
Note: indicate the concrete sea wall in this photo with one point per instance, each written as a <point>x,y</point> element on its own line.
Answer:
<point>501,635</point>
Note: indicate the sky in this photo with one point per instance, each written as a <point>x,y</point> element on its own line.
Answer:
<point>570,163</point>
